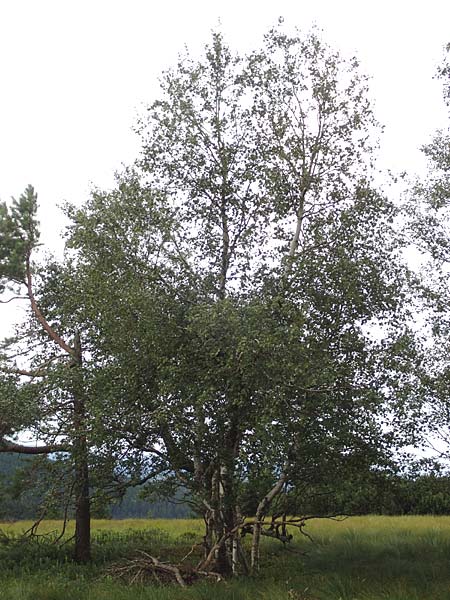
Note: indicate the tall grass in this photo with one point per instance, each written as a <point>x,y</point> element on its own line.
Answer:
<point>361,558</point>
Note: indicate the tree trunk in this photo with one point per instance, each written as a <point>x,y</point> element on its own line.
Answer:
<point>82,509</point>
<point>222,524</point>
<point>261,511</point>
<point>80,457</point>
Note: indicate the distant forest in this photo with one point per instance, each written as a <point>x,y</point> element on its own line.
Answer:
<point>20,499</point>
<point>388,495</point>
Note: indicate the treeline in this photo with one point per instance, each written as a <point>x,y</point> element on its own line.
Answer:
<point>425,494</point>
<point>15,503</point>
<point>22,496</point>
<point>133,506</point>
<point>393,495</point>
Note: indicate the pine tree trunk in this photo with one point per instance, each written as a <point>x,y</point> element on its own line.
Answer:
<point>80,457</point>
<point>82,508</point>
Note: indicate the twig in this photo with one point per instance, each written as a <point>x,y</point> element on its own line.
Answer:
<point>13,298</point>
<point>201,545</point>
<point>66,511</point>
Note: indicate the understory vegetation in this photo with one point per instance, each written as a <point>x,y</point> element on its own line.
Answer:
<point>361,558</point>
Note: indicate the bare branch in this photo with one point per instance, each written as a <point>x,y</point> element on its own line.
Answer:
<point>13,298</point>
<point>6,446</point>
<point>24,372</point>
<point>40,317</point>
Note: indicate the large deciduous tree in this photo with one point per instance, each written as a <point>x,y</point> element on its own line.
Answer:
<point>233,277</point>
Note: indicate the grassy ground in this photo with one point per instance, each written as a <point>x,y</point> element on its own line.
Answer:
<point>362,558</point>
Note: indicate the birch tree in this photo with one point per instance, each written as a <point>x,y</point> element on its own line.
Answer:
<point>274,255</point>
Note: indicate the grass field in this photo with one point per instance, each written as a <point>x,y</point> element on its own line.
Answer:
<point>362,558</point>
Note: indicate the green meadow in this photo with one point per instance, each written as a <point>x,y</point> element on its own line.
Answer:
<point>361,558</point>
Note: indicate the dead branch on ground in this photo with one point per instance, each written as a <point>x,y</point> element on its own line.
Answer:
<point>146,567</point>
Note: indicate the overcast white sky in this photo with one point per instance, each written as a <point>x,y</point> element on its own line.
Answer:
<point>74,75</point>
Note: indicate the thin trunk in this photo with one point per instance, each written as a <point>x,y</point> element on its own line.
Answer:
<point>222,524</point>
<point>235,554</point>
<point>298,229</point>
<point>82,508</point>
<point>225,252</point>
<point>295,242</point>
<point>80,457</point>
<point>241,559</point>
<point>225,258</point>
<point>208,537</point>
<point>263,506</point>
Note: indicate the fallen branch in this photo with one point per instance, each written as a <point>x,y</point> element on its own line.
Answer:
<point>146,566</point>
<point>273,529</point>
